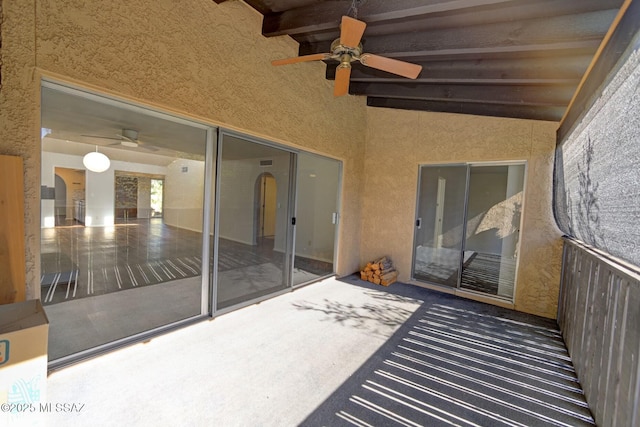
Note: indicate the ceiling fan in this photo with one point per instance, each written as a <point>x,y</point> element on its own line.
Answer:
<point>128,138</point>
<point>347,49</point>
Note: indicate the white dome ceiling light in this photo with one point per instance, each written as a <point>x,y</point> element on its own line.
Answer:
<point>96,162</point>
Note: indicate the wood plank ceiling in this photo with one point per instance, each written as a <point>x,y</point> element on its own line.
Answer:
<point>505,58</point>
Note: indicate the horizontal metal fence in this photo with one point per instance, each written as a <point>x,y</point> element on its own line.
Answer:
<point>599,316</point>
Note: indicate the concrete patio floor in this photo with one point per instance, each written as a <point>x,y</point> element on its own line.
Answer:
<point>338,352</point>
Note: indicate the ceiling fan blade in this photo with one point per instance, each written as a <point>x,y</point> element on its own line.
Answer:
<point>147,146</point>
<point>351,31</point>
<point>126,138</point>
<point>305,58</point>
<point>341,85</point>
<point>401,68</point>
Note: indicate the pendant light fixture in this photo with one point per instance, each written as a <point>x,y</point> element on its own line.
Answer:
<point>96,162</point>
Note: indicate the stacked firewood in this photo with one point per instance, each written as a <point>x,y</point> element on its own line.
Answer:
<point>380,272</point>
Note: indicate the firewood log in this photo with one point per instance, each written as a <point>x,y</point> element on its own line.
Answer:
<point>387,282</point>
<point>390,275</point>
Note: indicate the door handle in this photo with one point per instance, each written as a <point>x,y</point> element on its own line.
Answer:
<point>334,218</point>
<point>419,223</point>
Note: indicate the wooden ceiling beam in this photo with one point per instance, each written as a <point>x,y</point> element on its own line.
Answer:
<point>553,113</point>
<point>542,95</point>
<point>504,58</point>
<point>415,15</point>
<point>562,29</point>
<point>560,50</point>
<point>496,70</point>
<point>326,15</point>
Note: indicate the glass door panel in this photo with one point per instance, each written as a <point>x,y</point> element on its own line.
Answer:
<point>317,184</point>
<point>253,220</point>
<point>493,229</point>
<point>440,224</point>
<point>110,268</point>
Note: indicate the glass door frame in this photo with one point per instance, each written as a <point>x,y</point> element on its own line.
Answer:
<point>52,83</point>
<point>288,268</point>
<point>418,220</point>
<point>458,289</point>
<point>291,228</point>
<point>336,223</point>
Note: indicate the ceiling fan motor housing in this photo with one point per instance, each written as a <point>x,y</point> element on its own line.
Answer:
<point>130,134</point>
<point>339,51</point>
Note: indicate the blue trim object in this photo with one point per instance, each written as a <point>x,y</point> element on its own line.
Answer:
<point>4,351</point>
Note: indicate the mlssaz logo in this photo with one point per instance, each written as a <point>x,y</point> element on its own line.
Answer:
<point>4,351</point>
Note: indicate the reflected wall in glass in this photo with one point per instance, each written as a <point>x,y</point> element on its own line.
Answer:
<point>493,229</point>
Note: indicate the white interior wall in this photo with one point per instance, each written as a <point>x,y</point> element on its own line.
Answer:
<point>237,208</point>
<point>236,201</point>
<point>317,200</point>
<point>184,194</point>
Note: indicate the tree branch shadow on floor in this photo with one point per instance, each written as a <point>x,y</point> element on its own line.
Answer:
<point>381,318</point>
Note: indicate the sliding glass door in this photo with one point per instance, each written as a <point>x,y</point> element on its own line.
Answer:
<point>254,220</point>
<point>468,226</point>
<point>135,244</point>
<point>494,210</point>
<point>121,245</point>
<point>277,219</point>
<point>439,233</point>
<point>317,184</point>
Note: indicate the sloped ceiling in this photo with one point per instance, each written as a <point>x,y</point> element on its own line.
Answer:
<point>505,58</point>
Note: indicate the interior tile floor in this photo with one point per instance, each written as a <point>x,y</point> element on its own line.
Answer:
<point>337,352</point>
<point>105,284</point>
<point>81,262</point>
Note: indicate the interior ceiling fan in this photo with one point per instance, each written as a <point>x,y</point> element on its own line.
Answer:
<point>348,49</point>
<point>128,138</point>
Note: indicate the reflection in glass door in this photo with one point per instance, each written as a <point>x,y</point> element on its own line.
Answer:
<point>317,184</point>
<point>156,197</point>
<point>468,227</point>
<point>277,217</point>
<point>111,270</point>
<point>493,229</point>
<point>253,232</point>
<point>439,224</point>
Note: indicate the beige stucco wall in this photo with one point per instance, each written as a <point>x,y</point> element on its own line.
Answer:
<point>399,141</point>
<point>192,57</point>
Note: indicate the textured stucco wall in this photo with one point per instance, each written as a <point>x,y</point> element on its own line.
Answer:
<point>399,141</point>
<point>192,57</point>
<point>19,110</point>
